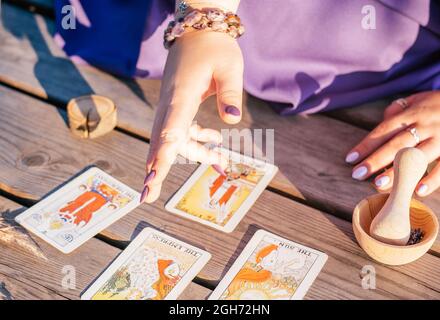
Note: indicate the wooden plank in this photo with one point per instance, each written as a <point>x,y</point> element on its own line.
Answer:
<point>309,151</point>
<point>23,276</point>
<point>34,153</point>
<point>195,292</point>
<point>303,145</point>
<point>32,62</point>
<point>366,116</point>
<point>20,269</point>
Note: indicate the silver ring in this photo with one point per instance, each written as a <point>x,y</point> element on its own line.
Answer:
<point>402,102</point>
<point>415,134</point>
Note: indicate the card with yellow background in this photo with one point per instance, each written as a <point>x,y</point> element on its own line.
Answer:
<point>222,201</point>
<point>270,268</point>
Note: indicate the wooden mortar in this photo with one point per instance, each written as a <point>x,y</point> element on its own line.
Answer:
<point>421,216</point>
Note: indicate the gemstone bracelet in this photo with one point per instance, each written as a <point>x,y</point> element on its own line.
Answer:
<point>204,19</point>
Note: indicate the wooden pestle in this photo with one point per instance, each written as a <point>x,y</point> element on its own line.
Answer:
<point>392,224</point>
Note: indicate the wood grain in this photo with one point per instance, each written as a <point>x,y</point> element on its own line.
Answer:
<point>366,116</point>
<point>50,157</point>
<point>258,115</point>
<point>23,276</point>
<point>309,151</point>
<point>27,46</point>
<point>303,145</point>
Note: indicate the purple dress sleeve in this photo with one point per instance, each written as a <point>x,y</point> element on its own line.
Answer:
<point>304,56</point>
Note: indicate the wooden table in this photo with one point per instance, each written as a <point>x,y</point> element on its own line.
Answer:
<point>313,194</point>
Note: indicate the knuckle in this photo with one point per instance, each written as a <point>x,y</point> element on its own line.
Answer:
<point>381,128</point>
<point>365,146</point>
<point>172,136</point>
<point>229,95</point>
<point>399,142</point>
<point>233,67</point>
<point>414,113</point>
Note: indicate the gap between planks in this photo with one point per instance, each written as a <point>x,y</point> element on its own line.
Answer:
<point>290,196</point>
<point>344,260</point>
<point>24,200</point>
<point>305,175</point>
<point>21,280</point>
<point>122,245</point>
<point>281,182</point>
<point>365,116</point>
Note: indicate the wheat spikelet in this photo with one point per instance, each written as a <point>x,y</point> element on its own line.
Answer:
<point>4,292</point>
<point>2,295</point>
<point>12,233</point>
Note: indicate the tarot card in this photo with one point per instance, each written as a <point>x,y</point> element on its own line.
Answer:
<point>79,210</point>
<point>218,201</point>
<point>270,268</point>
<point>154,266</point>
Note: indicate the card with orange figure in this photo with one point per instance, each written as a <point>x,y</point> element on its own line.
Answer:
<point>222,201</point>
<point>154,266</point>
<point>270,268</point>
<point>79,210</point>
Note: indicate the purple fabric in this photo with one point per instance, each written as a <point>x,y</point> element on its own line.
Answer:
<point>307,56</point>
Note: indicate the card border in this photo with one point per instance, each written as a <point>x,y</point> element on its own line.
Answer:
<point>245,206</point>
<point>247,252</point>
<point>20,219</point>
<point>133,246</point>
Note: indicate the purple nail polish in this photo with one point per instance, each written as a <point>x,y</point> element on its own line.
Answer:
<point>144,194</point>
<point>219,169</point>
<point>232,110</point>
<point>150,177</point>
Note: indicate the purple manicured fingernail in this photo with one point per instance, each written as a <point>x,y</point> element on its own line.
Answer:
<point>422,189</point>
<point>382,181</point>
<point>150,177</point>
<point>359,173</point>
<point>352,157</point>
<point>144,194</point>
<point>232,110</point>
<point>219,169</point>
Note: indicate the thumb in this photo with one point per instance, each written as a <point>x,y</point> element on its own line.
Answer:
<point>230,95</point>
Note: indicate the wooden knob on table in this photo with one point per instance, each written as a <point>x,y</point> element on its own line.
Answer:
<point>91,116</point>
<point>392,224</point>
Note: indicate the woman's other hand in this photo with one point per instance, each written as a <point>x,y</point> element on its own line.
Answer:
<point>199,64</point>
<point>410,122</point>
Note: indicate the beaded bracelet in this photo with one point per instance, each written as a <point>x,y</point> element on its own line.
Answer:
<point>212,19</point>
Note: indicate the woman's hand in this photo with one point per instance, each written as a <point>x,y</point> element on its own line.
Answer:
<point>199,64</point>
<point>377,151</point>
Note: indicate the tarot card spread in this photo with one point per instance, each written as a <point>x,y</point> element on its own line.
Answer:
<point>79,210</point>
<point>270,268</point>
<point>222,201</point>
<point>153,267</point>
